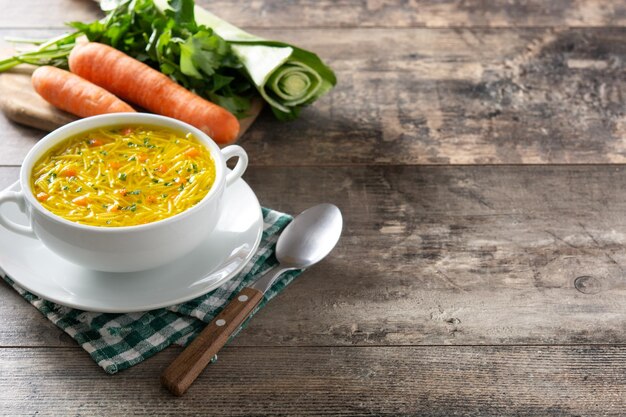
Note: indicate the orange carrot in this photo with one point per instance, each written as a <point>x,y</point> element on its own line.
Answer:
<point>75,95</point>
<point>192,152</point>
<point>83,200</point>
<point>138,83</point>
<point>69,172</point>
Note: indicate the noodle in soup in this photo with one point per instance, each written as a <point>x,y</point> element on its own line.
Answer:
<point>123,176</point>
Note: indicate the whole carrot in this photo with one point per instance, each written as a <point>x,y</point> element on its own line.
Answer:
<point>138,83</point>
<point>75,95</point>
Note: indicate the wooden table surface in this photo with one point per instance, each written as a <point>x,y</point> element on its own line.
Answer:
<point>475,149</point>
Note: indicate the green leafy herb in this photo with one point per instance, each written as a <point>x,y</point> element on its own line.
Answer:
<point>122,176</point>
<point>199,51</point>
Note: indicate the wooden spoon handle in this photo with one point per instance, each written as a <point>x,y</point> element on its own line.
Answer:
<point>189,364</point>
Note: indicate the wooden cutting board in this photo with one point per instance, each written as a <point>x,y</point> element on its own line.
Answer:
<point>21,104</point>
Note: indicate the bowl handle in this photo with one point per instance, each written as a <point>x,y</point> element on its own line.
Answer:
<point>17,198</point>
<point>230,152</point>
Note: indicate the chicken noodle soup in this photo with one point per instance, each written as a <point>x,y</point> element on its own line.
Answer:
<point>123,176</point>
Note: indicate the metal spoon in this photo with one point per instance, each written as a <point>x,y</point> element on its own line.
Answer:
<point>304,242</point>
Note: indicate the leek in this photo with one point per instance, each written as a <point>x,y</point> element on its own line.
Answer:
<point>287,77</point>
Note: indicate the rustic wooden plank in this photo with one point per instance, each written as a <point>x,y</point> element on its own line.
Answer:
<point>546,97</point>
<point>446,97</point>
<point>8,175</point>
<point>337,381</point>
<point>459,255</point>
<point>354,13</point>
<point>439,255</point>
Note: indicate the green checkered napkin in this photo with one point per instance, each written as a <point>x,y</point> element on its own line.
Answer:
<point>119,341</point>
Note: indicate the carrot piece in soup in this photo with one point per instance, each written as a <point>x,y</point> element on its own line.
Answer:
<point>69,172</point>
<point>83,200</point>
<point>192,152</point>
<point>114,164</point>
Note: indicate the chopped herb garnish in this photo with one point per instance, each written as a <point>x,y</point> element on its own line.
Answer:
<point>65,188</point>
<point>122,176</point>
<point>147,144</point>
<point>195,167</point>
<point>133,207</point>
<point>105,153</point>
<point>108,221</point>
<point>182,187</point>
<point>105,206</point>
<point>135,192</point>
<point>163,195</point>
<point>167,184</point>
<point>133,158</point>
<point>80,152</point>
<point>154,180</point>
<point>79,189</point>
<point>132,145</point>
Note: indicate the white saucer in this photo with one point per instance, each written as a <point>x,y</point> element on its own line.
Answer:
<point>231,245</point>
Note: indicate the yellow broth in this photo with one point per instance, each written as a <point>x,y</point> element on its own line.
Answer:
<point>123,176</point>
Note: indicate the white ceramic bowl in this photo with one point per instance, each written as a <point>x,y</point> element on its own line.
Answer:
<point>130,248</point>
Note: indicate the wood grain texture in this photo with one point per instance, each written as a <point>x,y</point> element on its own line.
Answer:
<point>480,96</point>
<point>354,13</point>
<point>446,255</point>
<point>451,285</point>
<point>183,371</point>
<point>328,381</point>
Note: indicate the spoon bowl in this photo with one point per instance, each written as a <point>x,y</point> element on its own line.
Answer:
<point>309,237</point>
